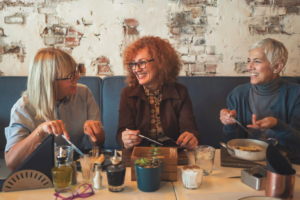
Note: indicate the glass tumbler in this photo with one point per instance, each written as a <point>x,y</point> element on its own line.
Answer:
<point>204,158</point>
<point>63,150</point>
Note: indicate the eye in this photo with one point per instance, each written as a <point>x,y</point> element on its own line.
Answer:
<point>142,62</point>
<point>131,65</point>
<point>257,61</point>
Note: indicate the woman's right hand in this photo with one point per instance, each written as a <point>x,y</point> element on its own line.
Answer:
<point>225,116</point>
<point>130,138</point>
<point>55,127</point>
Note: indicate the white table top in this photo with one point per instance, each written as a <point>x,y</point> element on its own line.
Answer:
<point>214,187</point>
<point>218,186</point>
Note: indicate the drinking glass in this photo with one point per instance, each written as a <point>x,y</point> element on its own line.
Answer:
<point>204,158</point>
<point>87,165</point>
<point>63,150</point>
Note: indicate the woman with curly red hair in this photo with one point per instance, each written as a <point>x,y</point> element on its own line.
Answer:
<point>154,104</point>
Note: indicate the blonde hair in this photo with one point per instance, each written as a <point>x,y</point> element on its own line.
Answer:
<point>47,65</point>
<point>275,51</point>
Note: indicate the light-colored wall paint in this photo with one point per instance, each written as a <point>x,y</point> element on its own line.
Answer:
<point>227,30</point>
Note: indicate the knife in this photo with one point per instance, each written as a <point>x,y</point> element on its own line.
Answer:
<point>148,139</point>
<point>240,125</point>
<point>72,145</point>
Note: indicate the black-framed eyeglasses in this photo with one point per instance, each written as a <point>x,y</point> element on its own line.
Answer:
<point>141,64</point>
<point>88,191</point>
<point>71,76</point>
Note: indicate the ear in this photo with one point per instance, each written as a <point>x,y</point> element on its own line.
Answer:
<point>278,68</point>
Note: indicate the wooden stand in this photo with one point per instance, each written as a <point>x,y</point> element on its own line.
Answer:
<point>168,157</point>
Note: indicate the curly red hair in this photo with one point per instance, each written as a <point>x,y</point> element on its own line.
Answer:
<point>166,58</point>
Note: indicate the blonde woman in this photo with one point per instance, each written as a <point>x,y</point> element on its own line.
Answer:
<point>53,104</point>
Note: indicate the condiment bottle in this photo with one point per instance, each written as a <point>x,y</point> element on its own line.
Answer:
<point>116,174</point>
<point>97,180</point>
<point>62,174</point>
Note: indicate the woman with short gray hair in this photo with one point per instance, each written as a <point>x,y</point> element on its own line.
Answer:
<point>268,106</point>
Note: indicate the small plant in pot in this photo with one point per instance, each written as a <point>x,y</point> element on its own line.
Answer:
<point>148,171</point>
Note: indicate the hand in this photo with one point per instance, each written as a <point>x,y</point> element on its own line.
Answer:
<point>56,127</point>
<point>130,138</point>
<point>264,124</point>
<point>225,116</point>
<point>187,140</point>
<point>92,128</point>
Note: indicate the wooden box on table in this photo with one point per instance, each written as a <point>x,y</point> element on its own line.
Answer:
<point>168,157</point>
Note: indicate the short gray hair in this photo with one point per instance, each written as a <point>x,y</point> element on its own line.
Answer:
<point>274,50</point>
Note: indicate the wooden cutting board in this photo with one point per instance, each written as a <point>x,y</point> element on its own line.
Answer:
<point>126,155</point>
<point>228,161</point>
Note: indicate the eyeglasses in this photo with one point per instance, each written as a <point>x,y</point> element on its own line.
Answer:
<point>71,76</point>
<point>83,194</point>
<point>140,64</point>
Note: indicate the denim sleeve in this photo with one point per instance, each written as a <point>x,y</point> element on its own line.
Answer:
<point>19,127</point>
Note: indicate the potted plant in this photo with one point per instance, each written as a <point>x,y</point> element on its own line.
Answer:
<point>148,171</point>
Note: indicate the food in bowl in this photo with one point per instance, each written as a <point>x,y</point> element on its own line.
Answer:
<point>252,149</point>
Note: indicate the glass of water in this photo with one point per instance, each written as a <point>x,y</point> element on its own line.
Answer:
<point>204,158</point>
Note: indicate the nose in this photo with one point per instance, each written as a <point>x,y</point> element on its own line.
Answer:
<point>137,69</point>
<point>249,66</point>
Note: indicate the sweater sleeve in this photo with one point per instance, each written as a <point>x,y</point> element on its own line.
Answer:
<point>231,131</point>
<point>289,132</point>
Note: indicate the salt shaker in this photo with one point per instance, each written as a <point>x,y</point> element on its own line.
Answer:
<point>97,180</point>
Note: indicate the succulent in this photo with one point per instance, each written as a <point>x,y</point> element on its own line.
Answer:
<point>153,161</point>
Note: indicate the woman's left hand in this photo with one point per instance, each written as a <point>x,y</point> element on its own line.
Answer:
<point>264,124</point>
<point>187,140</point>
<point>92,129</point>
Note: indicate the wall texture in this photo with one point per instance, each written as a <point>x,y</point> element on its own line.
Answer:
<point>213,36</point>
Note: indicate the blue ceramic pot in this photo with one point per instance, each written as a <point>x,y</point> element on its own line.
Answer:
<point>148,179</point>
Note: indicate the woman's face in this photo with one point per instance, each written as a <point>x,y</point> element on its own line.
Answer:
<point>149,76</point>
<point>66,87</point>
<point>259,67</point>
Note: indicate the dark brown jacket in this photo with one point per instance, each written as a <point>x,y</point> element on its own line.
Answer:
<point>176,112</point>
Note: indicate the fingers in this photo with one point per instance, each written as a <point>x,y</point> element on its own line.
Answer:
<point>187,140</point>
<point>56,127</point>
<point>130,138</point>
<point>181,137</point>
<point>92,128</point>
<point>225,116</point>
<point>254,118</point>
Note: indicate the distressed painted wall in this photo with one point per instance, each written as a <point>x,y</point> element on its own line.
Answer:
<point>212,36</point>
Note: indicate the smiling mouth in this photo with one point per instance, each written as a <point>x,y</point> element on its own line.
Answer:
<point>141,75</point>
<point>253,74</point>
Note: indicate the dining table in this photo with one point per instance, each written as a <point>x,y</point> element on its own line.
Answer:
<point>221,184</point>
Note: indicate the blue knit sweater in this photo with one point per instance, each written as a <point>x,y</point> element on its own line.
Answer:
<point>286,110</point>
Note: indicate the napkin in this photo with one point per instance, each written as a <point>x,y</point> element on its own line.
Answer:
<point>277,163</point>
